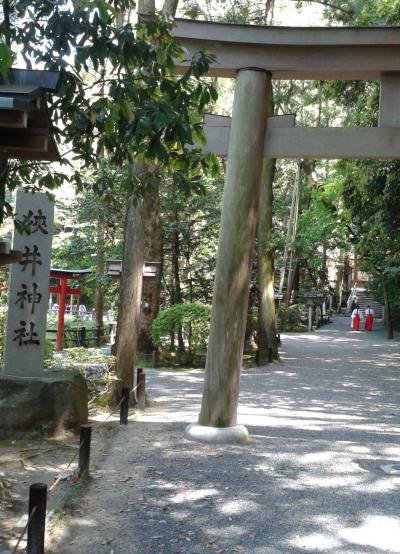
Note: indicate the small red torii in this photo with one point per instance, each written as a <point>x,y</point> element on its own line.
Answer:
<point>62,289</point>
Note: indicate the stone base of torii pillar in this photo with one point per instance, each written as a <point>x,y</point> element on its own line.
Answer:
<point>237,434</point>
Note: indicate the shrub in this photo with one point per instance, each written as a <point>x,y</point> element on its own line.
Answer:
<point>192,318</point>
<point>293,319</point>
<point>97,368</point>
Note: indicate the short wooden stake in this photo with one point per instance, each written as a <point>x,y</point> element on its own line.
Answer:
<point>123,418</point>
<point>141,396</point>
<point>139,371</point>
<point>84,451</point>
<point>37,524</point>
<point>82,336</point>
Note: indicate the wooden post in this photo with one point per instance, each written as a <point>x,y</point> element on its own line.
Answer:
<point>83,336</point>
<point>37,524</point>
<point>238,226</point>
<point>310,308</point>
<point>123,417</point>
<point>84,451</point>
<point>141,390</point>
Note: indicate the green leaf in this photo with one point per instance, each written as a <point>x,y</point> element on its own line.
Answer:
<point>6,60</point>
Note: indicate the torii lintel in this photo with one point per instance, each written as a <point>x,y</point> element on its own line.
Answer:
<point>294,52</point>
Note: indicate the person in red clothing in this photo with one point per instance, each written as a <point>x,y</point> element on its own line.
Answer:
<point>369,318</point>
<point>355,319</point>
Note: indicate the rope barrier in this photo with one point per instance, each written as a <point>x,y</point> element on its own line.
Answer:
<point>24,529</point>
<point>60,477</point>
<point>112,412</point>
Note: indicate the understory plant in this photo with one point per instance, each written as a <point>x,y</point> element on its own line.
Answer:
<point>192,319</point>
<point>97,368</point>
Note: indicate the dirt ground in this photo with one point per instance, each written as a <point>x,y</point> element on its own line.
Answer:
<point>27,461</point>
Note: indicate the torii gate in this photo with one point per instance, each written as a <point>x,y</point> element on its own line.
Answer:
<point>255,55</point>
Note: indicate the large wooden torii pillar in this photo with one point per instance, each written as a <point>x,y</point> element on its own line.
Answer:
<point>254,55</point>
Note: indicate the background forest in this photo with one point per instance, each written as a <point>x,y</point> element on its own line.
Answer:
<point>325,213</point>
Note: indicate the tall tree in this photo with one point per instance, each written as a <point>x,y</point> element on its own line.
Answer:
<point>188,101</point>
<point>266,333</point>
<point>153,241</point>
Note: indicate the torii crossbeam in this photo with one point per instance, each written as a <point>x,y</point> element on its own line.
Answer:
<point>256,55</point>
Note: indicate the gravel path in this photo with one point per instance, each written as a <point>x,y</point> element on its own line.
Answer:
<point>323,423</point>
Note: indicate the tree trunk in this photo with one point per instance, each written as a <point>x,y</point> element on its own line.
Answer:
<point>170,6</point>
<point>238,228</point>
<point>292,240</point>
<point>267,343</point>
<point>323,275</point>
<point>288,236</point>
<point>176,281</point>
<point>146,7</point>
<point>130,292</point>
<point>355,270</point>
<point>100,273</point>
<point>151,286</point>
<point>346,273</point>
<point>292,226</point>
<point>153,237</point>
<point>388,314</point>
<point>339,285</point>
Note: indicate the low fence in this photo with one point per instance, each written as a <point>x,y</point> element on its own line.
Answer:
<point>39,493</point>
<point>84,336</point>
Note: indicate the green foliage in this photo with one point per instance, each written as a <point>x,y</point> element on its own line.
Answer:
<point>373,200</point>
<point>194,320</point>
<point>97,368</point>
<point>71,323</point>
<point>6,60</point>
<point>74,321</point>
<point>118,95</point>
<point>90,227</point>
<point>293,319</point>
<point>190,228</point>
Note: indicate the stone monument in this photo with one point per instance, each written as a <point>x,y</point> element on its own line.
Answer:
<point>32,399</point>
<point>29,286</point>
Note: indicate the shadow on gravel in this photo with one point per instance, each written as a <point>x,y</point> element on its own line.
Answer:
<point>322,422</point>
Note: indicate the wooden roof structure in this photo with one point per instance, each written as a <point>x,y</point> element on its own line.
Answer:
<point>25,125</point>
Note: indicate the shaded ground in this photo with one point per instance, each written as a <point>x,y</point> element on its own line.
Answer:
<point>27,461</point>
<point>323,422</point>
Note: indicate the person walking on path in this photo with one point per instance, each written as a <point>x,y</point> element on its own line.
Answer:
<point>355,319</point>
<point>369,318</point>
<point>354,304</point>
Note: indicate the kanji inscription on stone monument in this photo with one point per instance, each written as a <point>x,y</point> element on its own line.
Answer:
<point>29,286</point>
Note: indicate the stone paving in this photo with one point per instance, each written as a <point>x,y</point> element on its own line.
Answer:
<point>321,473</point>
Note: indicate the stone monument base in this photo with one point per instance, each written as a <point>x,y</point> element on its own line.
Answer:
<point>47,405</point>
<point>236,434</point>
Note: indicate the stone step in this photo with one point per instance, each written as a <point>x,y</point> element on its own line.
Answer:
<point>364,299</point>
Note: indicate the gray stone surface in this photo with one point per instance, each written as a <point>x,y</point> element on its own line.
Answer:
<point>322,422</point>
<point>29,286</point>
<point>47,404</point>
<point>237,434</point>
